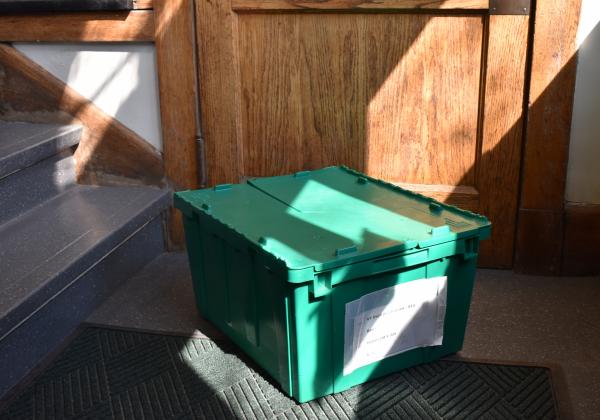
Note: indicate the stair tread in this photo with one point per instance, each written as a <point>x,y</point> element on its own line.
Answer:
<point>44,249</point>
<point>24,144</point>
<point>34,6</point>
<point>42,181</point>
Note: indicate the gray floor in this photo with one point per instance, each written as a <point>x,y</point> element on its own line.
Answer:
<point>545,320</point>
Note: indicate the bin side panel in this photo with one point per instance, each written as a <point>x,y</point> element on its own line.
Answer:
<point>272,323</point>
<point>195,251</point>
<point>354,290</point>
<point>216,273</point>
<point>460,273</point>
<point>461,276</point>
<point>297,338</point>
<point>241,293</point>
<point>312,345</point>
<point>241,296</point>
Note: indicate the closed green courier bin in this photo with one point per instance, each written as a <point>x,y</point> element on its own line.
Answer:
<point>330,278</point>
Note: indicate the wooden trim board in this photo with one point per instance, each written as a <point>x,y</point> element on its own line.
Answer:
<point>461,196</point>
<point>565,242</point>
<point>581,239</point>
<point>177,89</point>
<point>545,156</point>
<point>273,5</point>
<point>502,134</point>
<point>218,66</point>
<point>137,25</point>
<point>143,4</point>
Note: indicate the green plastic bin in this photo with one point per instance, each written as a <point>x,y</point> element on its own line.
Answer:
<point>330,278</point>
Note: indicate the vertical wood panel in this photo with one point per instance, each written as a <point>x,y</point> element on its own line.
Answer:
<point>321,90</point>
<point>553,71</point>
<point>219,84</point>
<point>271,94</point>
<point>333,69</point>
<point>552,89</point>
<point>303,94</point>
<point>396,95</point>
<point>177,83</point>
<point>423,92</point>
<point>498,169</point>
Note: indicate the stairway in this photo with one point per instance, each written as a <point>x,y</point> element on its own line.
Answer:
<point>64,247</point>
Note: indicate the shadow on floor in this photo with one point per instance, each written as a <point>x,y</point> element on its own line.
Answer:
<point>543,320</point>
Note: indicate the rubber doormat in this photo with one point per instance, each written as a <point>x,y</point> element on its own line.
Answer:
<point>105,373</point>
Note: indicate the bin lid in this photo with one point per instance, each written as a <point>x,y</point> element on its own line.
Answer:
<point>332,217</point>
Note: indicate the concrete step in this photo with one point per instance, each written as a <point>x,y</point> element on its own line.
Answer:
<point>25,144</point>
<point>60,259</point>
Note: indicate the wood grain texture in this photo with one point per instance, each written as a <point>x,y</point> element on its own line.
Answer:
<point>541,234</point>
<point>397,95</point>
<point>565,242</point>
<point>543,180</point>
<point>581,252</point>
<point>332,89</point>
<point>312,121</point>
<point>177,90</point>
<point>502,135</point>
<point>271,94</point>
<point>109,153</point>
<point>333,95</point>
<point>257,5</point>
<point>143,4</point>
<point>423,106</point>
<point>461,196</point>
<point>136,25</point>
<point>217,42</point>
<point>550,104</point>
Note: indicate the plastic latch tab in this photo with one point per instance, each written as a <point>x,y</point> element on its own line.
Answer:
<point>435,207</point>
<point>321,284</point>
<point>347,250</point>
<point>471,248</point>
<point>222,187</point>
<point>440,230</point>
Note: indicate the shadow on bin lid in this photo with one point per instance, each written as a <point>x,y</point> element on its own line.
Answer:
<point>333,216</point>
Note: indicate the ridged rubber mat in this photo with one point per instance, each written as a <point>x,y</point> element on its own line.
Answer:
<point>106,373</point>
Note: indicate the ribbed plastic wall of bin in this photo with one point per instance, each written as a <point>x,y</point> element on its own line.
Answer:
<point>330,278</point>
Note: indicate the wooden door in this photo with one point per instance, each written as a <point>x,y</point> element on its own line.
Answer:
<point>425,94</point>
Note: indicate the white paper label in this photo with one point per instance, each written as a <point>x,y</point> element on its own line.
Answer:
<point>394,320</point>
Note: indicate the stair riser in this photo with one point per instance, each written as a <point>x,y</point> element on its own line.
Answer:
<point>46,145</point>
<point>36,184</point>
<point>40,334</point>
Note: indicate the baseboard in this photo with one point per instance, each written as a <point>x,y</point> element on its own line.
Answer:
<point>539,242</point>
<point>581,247</point>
